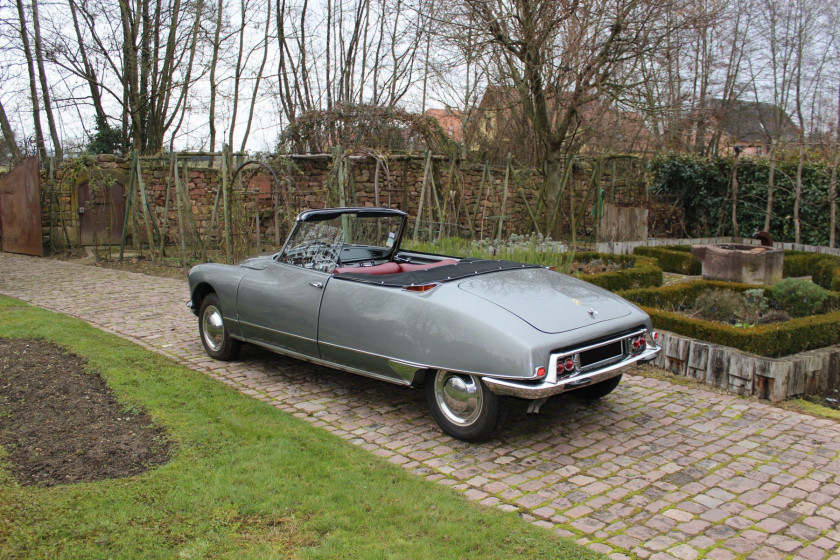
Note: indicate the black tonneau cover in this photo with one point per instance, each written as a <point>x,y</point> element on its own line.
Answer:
<point>462,269</point>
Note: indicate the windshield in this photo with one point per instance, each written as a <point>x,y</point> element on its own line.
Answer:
<point>348,238</point>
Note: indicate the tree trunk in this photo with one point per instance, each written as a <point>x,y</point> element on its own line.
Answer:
<point>735,231</point>
<point>771,184</point>
<point>832,196</point>
<point>89,72</point>
<point>213,63</point>
<point>33,87</point>
<point>9,135</point>
<point>42,76</point>
<point>797,201</point>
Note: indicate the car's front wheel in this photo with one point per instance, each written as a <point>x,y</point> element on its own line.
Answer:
<point>598,390</point>
<point>215,337</point>
<point>462,405</point>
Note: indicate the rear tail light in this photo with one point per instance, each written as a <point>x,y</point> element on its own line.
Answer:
<point>422,287</point>
<point>655,336</point>
<point>638,343</point>
<point>540,371</point>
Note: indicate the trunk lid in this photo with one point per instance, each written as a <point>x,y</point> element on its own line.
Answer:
<point>548,301</point>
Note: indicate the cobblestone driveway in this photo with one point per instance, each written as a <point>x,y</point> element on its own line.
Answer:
<point>655,470</point>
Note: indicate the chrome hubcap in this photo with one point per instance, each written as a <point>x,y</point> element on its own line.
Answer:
<point>213,328</point>
<point>459,397</point>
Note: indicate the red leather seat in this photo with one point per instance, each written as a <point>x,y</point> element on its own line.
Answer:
<point>384,268</point>
<point>413,267</point>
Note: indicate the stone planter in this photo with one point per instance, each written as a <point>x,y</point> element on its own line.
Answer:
<point>747,264</point>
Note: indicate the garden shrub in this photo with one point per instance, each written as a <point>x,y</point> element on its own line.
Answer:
<point>720,305</point>
<point>773,340</point>
<point>642,273</point>
<point>678,260</point>
<point>798,296</point>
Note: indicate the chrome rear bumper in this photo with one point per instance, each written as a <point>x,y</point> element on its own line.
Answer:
<point>549,388</point>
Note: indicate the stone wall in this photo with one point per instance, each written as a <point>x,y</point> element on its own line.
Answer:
<point>307,182</point>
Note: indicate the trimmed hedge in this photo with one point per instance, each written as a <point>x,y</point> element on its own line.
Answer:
<point>824,270</point>
<point>642,273</point>
<point>773,340</point>
<point>677,259</point>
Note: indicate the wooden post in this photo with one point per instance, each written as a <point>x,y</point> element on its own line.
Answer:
<point>180,187</point>
<point>567,172</point>
<point>214,218</point>
<point>129,199</point>
<point>503,208</point>
<point>226,204</point>
<point>530,213</point>
<point>146,213</point>
<point>422,194</point>
<point>832,196</point>
<point>169,180</point>
<point>598,202</point>
<point>257,219</point>
<point>478,199</point>
<point>181,233</point>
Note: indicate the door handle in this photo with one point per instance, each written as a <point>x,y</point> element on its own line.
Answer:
<point>318,285</point>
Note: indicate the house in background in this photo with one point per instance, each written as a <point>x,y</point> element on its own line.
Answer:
<point>499,126</point>
<point>450,121</point>
<point>748,125</point>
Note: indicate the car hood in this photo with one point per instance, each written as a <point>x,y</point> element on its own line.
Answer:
<point>549,301</point>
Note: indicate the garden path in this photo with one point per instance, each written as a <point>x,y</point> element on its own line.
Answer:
<point>655,470</point>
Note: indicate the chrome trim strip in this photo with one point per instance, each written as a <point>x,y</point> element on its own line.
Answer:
<point>332,365</point>
<point>406,370</point>
<point>549,388</point>
<point>284,333</point>
<point>423,366</point>
<point>602,343</point>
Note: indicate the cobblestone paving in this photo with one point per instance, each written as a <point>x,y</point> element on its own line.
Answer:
<point>655,470</point>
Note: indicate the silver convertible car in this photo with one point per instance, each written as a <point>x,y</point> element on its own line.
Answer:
<point>343,294</point>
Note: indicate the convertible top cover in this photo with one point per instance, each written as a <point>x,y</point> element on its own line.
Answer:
<point>463,269</point>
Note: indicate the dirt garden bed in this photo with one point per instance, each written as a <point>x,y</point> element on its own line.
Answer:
<point>60,424</point>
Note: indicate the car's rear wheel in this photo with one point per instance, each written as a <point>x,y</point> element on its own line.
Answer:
<point>215,337</point>
<point>462,405</point>
<point>597,390</point>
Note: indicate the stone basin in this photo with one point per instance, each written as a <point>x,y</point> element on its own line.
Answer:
<point>748,264</point>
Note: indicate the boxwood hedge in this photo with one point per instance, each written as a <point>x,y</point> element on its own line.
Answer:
<point>677,259</point>
<point>773,340</point>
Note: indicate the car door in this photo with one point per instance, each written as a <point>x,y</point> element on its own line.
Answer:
<point>278,306</point>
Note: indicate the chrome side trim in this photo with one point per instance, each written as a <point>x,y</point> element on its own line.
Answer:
<point>420,366</point>
<point>406,370</point>
<point>332,365</point>
<point>553,387</point>
<point>275,331</point>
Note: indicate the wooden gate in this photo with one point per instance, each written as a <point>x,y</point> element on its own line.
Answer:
<point>20,210</point>
<point>101,214</point>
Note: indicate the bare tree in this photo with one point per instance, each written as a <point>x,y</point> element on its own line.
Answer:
<point>33,87</point>
<point>561,56</point>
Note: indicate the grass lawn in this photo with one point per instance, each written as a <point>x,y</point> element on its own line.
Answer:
<point>246,481</point>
